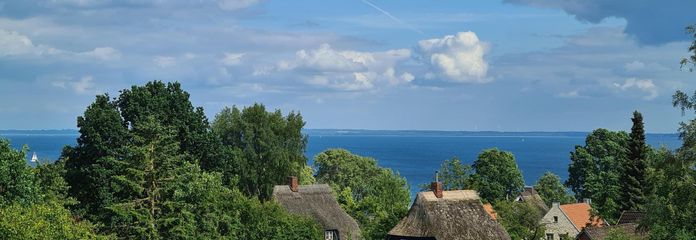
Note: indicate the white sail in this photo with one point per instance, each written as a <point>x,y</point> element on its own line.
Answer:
<point>34,158</point>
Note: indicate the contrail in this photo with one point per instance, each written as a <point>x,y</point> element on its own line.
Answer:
<point>392,17</point>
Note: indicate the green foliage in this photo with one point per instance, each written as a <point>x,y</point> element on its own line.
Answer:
<point>690,60</point>
<point>52,184</point>
<point>375,197</point>
<point>261,148</point>
<point>105,134</point>
<point>497,176</point>
<point>619,234</point>
<point>17,182</point>
<point>595,169</point>
<point>634,168</point>
<point>270,221</point>
<point>551,189</point>
<point>454,175</point>
<point>520,219</point>
<point>43,221</point>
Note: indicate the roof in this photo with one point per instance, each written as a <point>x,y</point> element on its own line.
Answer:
<point>532,196</point>
<point>489,209</point>
<point>631,217</point>
<point>457,215</point>
<point>602,232</point>
<point>317,201</point>
<point>579,215</point>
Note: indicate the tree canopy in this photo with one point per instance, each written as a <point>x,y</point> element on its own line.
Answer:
<point>551,189</point>
<point>497,176</point>
<point>375,197</point>
<point>261,148</point>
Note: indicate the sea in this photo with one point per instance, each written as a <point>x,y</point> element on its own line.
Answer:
<point>415,155</point>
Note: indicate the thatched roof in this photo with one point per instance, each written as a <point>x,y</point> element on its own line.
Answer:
<point>458,215</point>
<point>317,201</point>
<point>598,233</point>
<point>529,195</point>
<point>631,217</point>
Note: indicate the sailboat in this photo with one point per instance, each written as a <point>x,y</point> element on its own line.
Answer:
<point>34,158</point>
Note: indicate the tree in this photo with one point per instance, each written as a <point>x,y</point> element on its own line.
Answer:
<point>375,197</point>
<point>261,148</point>
<point>595,169</point>
<point>633,171</point>
<point>497,176</point>
<point>17,182</point>
<point>105,133</point>
<point>454,175</point>
<point>51,181</point>
<point>47,220</point>
<point>520,219</point>
<point>551,189</point>
<point>690,60</point>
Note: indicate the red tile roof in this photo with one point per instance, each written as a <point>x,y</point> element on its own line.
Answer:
<point>579,215</point>
<point>490,211</point>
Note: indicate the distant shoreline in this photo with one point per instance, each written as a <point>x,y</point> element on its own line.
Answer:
<point>366,132</point>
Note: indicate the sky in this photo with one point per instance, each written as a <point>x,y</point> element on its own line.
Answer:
<point>475,65</point>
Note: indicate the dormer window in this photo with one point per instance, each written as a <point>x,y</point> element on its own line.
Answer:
<point>331,235</point>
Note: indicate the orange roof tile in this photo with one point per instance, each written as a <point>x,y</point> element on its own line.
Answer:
<point>579,214</point>
<point>490,211</point>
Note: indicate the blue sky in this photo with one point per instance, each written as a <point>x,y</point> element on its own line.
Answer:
<point>511,65</point>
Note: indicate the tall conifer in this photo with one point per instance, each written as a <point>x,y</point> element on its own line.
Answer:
<point>633,172</point>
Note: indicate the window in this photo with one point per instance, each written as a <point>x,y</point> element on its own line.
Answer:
<point>555,219</point>
<point>549,236</point>
<point>331,235</point>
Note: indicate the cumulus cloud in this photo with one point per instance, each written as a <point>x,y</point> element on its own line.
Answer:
<point>652,22</point>
<point>634,66</point>
<point>347,69</point>
<point>84,85</point>
<point>645,85</point>
<point>164,62</point>
<point>103,53</point>
<point>456,58</point>
<point>14,44</point>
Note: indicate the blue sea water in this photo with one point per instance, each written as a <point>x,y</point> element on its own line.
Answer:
<point>415,155</point>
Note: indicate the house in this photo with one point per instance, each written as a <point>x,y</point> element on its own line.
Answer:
<point>531,196</point>
<point>453,215</point>
<point>631,217</point>
<point>568,220</point>
<point>599,233</point>
<point>317,201</point>
<point>628,224</point>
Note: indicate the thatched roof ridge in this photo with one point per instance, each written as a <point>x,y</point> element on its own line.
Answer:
<point>531,196</point>
<point>602,232</point>
<point>317,201</point>
<point>458,215</point>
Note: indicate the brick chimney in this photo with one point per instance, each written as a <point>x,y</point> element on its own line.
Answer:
<point>437,189</point>
<point>587,200</point>
<point>292,181</point>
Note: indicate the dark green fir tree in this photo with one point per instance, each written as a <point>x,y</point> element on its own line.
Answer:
<point>633,172</point>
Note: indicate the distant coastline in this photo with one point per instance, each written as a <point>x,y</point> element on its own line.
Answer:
<point>367,132</point>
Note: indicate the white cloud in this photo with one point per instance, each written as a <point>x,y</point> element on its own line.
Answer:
<point>103,53</point>
<point>234,5</point>
<point>456,58</point>
<point>634,66</point>
<point>14,44</point>
<point>348,70</point>
<point>645,85</point>
<point>164,62</point>
<point>569,94</point>
<point>232,59</point>
<point>84,85</point>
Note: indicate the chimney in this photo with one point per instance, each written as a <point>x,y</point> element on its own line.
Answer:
<point>292,181</point>
<point>555,204</point>
<point>587,200</point>
<point>437,189</point>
